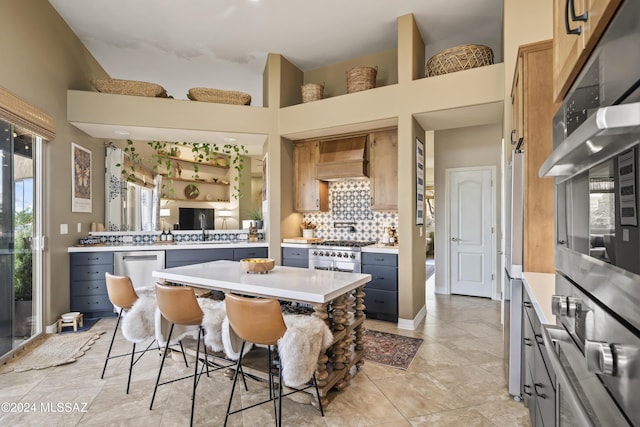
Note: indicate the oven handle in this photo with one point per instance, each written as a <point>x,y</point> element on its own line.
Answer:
<point>551,334</point>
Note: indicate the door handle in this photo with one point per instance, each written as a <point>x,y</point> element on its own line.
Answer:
<point>569,5</point>
<point>455,239</point>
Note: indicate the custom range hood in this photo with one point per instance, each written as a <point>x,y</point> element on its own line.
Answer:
<point>343,158</point>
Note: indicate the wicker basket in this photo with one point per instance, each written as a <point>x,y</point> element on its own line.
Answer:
<point>361,78</point>
<point>219,96</point>
<point>459,58</point>
<point>312,92</point>
<point>129,87</point>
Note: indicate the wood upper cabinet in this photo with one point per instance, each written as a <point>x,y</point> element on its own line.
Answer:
<point>533,95</point>
<point>517,113</point>
<point>577,27</point>
<point>383,169</point>
<point>310,194</point>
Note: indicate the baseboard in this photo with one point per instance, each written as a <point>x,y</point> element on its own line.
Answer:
<point>412,324</point>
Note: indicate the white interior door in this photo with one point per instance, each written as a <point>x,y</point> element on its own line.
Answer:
<point>471,231</point>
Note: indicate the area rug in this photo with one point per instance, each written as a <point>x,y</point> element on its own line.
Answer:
<point>51,350</point>
<point>389,349</point>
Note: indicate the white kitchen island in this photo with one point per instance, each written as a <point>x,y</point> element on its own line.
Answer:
<point>336,297</point>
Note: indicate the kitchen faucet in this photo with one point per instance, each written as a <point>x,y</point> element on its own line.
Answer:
<point>203,226</point>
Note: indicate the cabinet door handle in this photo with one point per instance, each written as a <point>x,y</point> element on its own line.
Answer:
<point>582,17</point>
<point>527,304</point>
<point>540,395</point>
<point>378,278</point>
<point>378,301</point>
<point>513,133</point>
<point>539,340</point>
<point>527,342</point>
<point>379,259</point>
<point>527,389</point>
<point>569,5</point>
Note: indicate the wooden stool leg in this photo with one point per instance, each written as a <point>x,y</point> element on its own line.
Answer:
<point>81,320</point>
<point>75,325</point>
<point>59,325</point>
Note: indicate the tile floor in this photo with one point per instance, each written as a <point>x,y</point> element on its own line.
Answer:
<point>457,379</point>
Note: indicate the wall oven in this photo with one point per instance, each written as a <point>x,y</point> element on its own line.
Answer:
<point>595,346</point>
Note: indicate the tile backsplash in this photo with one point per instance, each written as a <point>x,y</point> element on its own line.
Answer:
<point>350,202</point>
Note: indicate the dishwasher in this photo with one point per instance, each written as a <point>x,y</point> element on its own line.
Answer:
<point>138,266</point>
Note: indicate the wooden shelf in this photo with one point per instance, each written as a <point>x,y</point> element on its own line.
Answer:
<point>196,181</point>
<point>180,159</point>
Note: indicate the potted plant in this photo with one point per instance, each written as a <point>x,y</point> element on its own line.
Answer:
<point>308,229</point>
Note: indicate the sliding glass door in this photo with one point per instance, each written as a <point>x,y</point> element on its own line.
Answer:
<point>20,255</point>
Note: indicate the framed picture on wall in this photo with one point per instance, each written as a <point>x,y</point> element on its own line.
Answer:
<point>80,179</point>
<point>419,182</point>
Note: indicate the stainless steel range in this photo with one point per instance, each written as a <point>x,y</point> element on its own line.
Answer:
<point>337,255</point>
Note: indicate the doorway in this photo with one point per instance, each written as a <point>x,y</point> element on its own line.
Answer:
<point>471,230</point>
<point>20,259</point>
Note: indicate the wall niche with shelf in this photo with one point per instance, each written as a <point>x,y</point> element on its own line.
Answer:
<point>187,178</point>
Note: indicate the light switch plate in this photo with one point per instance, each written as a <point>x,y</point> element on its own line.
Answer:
<point>79,227</point>
<point>64,228</point>
<point>625,234</point>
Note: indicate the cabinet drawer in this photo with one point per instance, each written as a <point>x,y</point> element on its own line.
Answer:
<point>88,287</point>
<point>91,258</point>
<point>544,393</point>
<point>377,301</point>
<point>91,303</point>
<point>295,262</point>
<point>90,272</point>
<point>180,257</point>
<point>243,253</point>
<point>380,259</point>
<point>298,253</point>
<point>382,277</point>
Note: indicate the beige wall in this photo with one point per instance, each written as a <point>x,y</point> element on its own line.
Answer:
<point>457,148</point>
<point>42,59</point>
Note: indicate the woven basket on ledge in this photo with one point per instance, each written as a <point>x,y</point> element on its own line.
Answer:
<point>129,87</point>
<point>312,92</point>
<point>219,96</point>
<point>459,58</point>
<point>361,78</point>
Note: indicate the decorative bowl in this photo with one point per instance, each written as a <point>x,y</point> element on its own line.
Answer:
<point>69,317</point>
<point>257,265</point>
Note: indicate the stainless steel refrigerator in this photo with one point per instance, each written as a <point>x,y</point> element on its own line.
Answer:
<point>512,284</point>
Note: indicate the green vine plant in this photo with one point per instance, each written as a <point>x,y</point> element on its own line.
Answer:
<point>203,153</point>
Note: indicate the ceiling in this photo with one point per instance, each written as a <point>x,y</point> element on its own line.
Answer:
<point>225,43</point>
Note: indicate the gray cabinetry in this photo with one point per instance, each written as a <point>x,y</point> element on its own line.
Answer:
<point>180,257</point>
<point>88,287</point>
<point>381,294</point>
<point>538,378</point>
<point>295,257</point>
<point>242,253</point>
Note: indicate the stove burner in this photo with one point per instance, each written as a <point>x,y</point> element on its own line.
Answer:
<point>346,243</point>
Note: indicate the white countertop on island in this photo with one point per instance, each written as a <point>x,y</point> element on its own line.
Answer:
<point>284,283</point>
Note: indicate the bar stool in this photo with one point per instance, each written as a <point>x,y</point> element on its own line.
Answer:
<point>178,304</point>
<point>123,295</point>
<point>260,321</point>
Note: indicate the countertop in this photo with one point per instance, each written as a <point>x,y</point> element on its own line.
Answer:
<point>167,246</point>
<point>287,283</point>
<point>540,287</point>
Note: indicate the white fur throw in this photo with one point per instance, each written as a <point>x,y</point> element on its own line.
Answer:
<point>300,347</point>
<point>138,324</point>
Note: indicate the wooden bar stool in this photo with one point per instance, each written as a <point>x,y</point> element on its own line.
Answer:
<point>260,321</point>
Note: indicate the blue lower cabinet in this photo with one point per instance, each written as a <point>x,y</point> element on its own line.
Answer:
<point>381,294</point>
<point>243,253</point>
<point>88,288</point>
<point>295,257</point>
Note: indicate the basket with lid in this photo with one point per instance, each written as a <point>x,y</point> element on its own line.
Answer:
<point>361,78</point>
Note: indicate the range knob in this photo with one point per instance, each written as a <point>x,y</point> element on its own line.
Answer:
<point>339,254</point>
<point>333,254</point>
<point>320,253</point>
<point>346,255</point>
<point>600,357</point>
<point>559,305</point>
<point>353,256</point>
<point>315,253</point>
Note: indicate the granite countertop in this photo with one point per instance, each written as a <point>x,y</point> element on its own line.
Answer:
<point>121,247</point>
